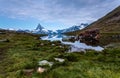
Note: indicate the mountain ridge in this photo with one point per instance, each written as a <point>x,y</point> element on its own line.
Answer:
<point>41,30</point>
<point>108,23</point>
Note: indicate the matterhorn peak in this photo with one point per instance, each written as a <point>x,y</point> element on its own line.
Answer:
<point>39,27</point>
<point>40,30</point>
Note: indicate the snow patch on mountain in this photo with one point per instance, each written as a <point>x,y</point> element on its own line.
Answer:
<point>73,28</point>
<point>41,30</point>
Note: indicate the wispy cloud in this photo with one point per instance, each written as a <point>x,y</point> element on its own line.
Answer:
<point>68,12</point>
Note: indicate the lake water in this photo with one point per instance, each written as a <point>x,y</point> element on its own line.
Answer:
<point>75,46</point>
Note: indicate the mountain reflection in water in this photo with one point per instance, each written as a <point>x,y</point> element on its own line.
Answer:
<point>76,46</point>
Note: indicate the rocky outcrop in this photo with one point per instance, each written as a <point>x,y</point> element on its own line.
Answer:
<point>89,35</point>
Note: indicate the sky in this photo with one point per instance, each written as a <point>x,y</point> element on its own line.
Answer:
<point>52,14</point>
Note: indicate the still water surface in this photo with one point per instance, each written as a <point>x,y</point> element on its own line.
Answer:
<point>76,46</point>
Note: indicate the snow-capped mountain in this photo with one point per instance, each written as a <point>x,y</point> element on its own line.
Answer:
<point>18,30</point>
<point>41,30</point>
<point>73,28</point>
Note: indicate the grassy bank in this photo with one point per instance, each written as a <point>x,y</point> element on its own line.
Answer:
<point>24,51</point>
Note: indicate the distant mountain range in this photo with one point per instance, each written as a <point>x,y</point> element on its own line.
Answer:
<point>41,30</point>
<point>109,23</point>
<point>73,28</point>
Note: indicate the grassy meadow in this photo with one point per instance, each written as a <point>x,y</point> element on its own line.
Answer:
<point>23,52</point>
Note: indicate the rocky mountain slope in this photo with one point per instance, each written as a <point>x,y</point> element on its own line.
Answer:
<point>108,23</point>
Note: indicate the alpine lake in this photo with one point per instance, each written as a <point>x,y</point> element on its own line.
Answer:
<point>79,46</point>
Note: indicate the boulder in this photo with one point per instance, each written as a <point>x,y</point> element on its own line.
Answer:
<point>59,59</point>
<point>45,62</point>
<point>40,70</point>
<point>4,40</point>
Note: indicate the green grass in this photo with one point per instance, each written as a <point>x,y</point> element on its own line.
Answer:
<point>24,51</point>
<point>89,65</point>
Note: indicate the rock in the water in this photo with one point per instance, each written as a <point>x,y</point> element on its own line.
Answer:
<point>76,49</point>
<point>69,39</point>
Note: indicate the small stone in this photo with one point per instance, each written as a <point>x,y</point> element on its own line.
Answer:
<point>40,70</point>
<point>28,71</point>
<point>59,59</point>
<point>60,46</point>
<point>45,62</point>
<point>42,44</point>
<point>53,44</point>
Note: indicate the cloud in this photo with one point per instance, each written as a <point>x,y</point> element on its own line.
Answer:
<point>68,12</point>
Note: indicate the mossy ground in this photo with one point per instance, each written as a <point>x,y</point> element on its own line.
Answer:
<point>24,51</point>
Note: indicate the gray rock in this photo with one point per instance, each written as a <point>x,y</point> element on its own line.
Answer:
<point>45,62</point>
<point>2,32</point>
<point>59,59</point>
<point>4,40</point>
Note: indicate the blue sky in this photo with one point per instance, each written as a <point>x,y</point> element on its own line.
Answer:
<point>52,14</point>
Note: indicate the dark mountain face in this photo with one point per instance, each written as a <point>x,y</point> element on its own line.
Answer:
<point>39,27</point>
<point>108,23</point>
<point>40,30</point>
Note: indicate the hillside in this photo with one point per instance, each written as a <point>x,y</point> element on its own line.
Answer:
<point>108,23</point>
